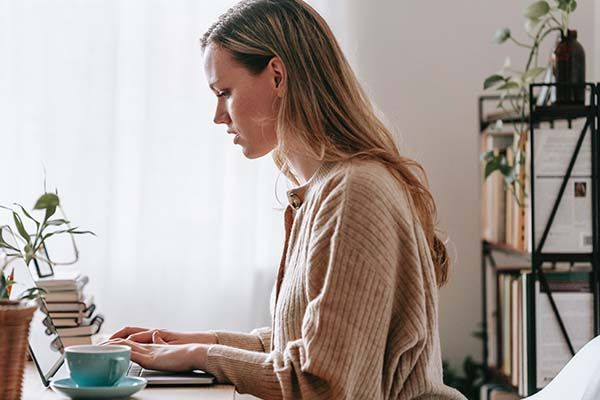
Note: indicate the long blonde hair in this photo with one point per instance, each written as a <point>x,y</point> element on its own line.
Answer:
<point>324,107</point>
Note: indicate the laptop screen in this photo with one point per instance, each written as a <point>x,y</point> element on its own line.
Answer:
<point>44,344</point>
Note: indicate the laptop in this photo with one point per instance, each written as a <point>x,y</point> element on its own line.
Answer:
<point>47,350</point>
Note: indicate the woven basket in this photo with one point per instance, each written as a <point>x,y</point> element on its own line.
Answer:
<point>15,318</point>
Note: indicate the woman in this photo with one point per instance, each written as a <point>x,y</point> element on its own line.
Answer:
<point>355,302</point>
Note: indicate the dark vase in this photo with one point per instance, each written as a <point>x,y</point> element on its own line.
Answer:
<point>569,69</point>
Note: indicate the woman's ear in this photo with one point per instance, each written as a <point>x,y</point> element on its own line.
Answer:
<point>279,76</point>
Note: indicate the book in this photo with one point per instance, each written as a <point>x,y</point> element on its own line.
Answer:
<point>493,196</point>
<point>76,340</point>
<point>52,284</point>
<point>76,306</point>
<point>63,297</point>
<point>571,230</point>
<point>89,329</point>
<point>65,322</point>
<point>78,315</point>
<point>66,319</point>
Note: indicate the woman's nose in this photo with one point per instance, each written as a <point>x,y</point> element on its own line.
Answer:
<point>221,116</point>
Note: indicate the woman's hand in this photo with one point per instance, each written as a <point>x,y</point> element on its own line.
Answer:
<point>175,358</point>
<point>163,336</point>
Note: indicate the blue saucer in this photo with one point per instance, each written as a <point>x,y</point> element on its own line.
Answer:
<point>125,387</point>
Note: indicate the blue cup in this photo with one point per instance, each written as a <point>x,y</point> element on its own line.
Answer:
<point>95,365</point>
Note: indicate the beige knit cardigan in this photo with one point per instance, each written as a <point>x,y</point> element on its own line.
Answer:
<point>355,303</point>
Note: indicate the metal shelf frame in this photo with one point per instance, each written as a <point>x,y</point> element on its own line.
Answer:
<point>537,114</point>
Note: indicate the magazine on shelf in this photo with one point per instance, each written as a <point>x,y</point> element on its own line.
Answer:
<point>573,297</point>
<point>571,231</point>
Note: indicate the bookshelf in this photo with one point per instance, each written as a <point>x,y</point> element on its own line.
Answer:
<point>529,288</point>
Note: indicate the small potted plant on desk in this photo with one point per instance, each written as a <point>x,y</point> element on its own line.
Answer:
<point>17,243</point>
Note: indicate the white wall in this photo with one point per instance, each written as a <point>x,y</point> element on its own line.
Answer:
<point>424,64</point>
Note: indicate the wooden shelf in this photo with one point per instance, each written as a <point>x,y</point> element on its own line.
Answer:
<point>505,248</point>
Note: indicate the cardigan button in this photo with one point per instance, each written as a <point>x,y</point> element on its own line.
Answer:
<point>294,200</point>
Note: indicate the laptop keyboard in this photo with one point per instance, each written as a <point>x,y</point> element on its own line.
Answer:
<point>137,370</point>
<point>134,370</point>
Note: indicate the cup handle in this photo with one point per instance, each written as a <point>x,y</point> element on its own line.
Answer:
<point>118,368</point>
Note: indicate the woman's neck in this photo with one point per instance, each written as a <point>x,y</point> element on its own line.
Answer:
<point>303,167</point>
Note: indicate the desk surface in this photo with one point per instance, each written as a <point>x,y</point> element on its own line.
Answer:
<point>33,389</point>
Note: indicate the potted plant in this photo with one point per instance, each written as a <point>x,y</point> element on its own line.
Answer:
<point>542,18</point>
<point>20,243</point>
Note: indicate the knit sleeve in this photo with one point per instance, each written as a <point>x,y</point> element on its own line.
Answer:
<point>343,335</point>
<point>346,324</point>
<point>258,340</point>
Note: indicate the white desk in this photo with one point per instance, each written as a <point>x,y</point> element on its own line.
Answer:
<point>33,389</point>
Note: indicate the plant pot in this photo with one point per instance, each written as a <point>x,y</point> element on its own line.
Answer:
<point>568,64</point>
<point>15,318</point>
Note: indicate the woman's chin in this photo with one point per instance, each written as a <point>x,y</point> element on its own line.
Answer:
<point>253,153</point>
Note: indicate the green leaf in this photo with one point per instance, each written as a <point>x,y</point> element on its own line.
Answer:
<point>46,201</point>
<point>3,286</point>
<point>75,232</point>
<point>537,10</point>
<point>496,163</point>
<point>492,80</point>
<point>501,35</point>
<point>29,254</point>
<point>509,85</point>
<point>491,166</point>
<point>21,228</point>
<point>56,222</point>
<point>37,224</point>
<point>50,212</point>
<point>3,243</point>
<point>533,73</point>
<point>488,156</point>
<point>568,6</point>
<point>32,293</point>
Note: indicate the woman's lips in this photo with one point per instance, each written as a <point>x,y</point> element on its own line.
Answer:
<point>236,138</point>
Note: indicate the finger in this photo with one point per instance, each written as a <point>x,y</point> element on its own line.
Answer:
<point>142,337</point>
<point>126,331</point>
<point>156,338</point>
<point>133,345</point>
<point>111,341</point>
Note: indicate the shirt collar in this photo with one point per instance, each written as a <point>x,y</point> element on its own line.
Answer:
<point>297,195</point>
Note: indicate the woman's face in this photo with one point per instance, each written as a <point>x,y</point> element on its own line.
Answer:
<point>246,103</point>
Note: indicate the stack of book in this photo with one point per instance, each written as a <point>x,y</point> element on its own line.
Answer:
<point>71,310</point>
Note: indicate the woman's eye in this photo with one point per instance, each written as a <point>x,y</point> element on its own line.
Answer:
<point>222,94</point>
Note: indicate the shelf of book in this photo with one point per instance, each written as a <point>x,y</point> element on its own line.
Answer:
<point>538,311</point>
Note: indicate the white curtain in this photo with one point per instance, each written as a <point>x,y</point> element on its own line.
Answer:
<point>109,98</point>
